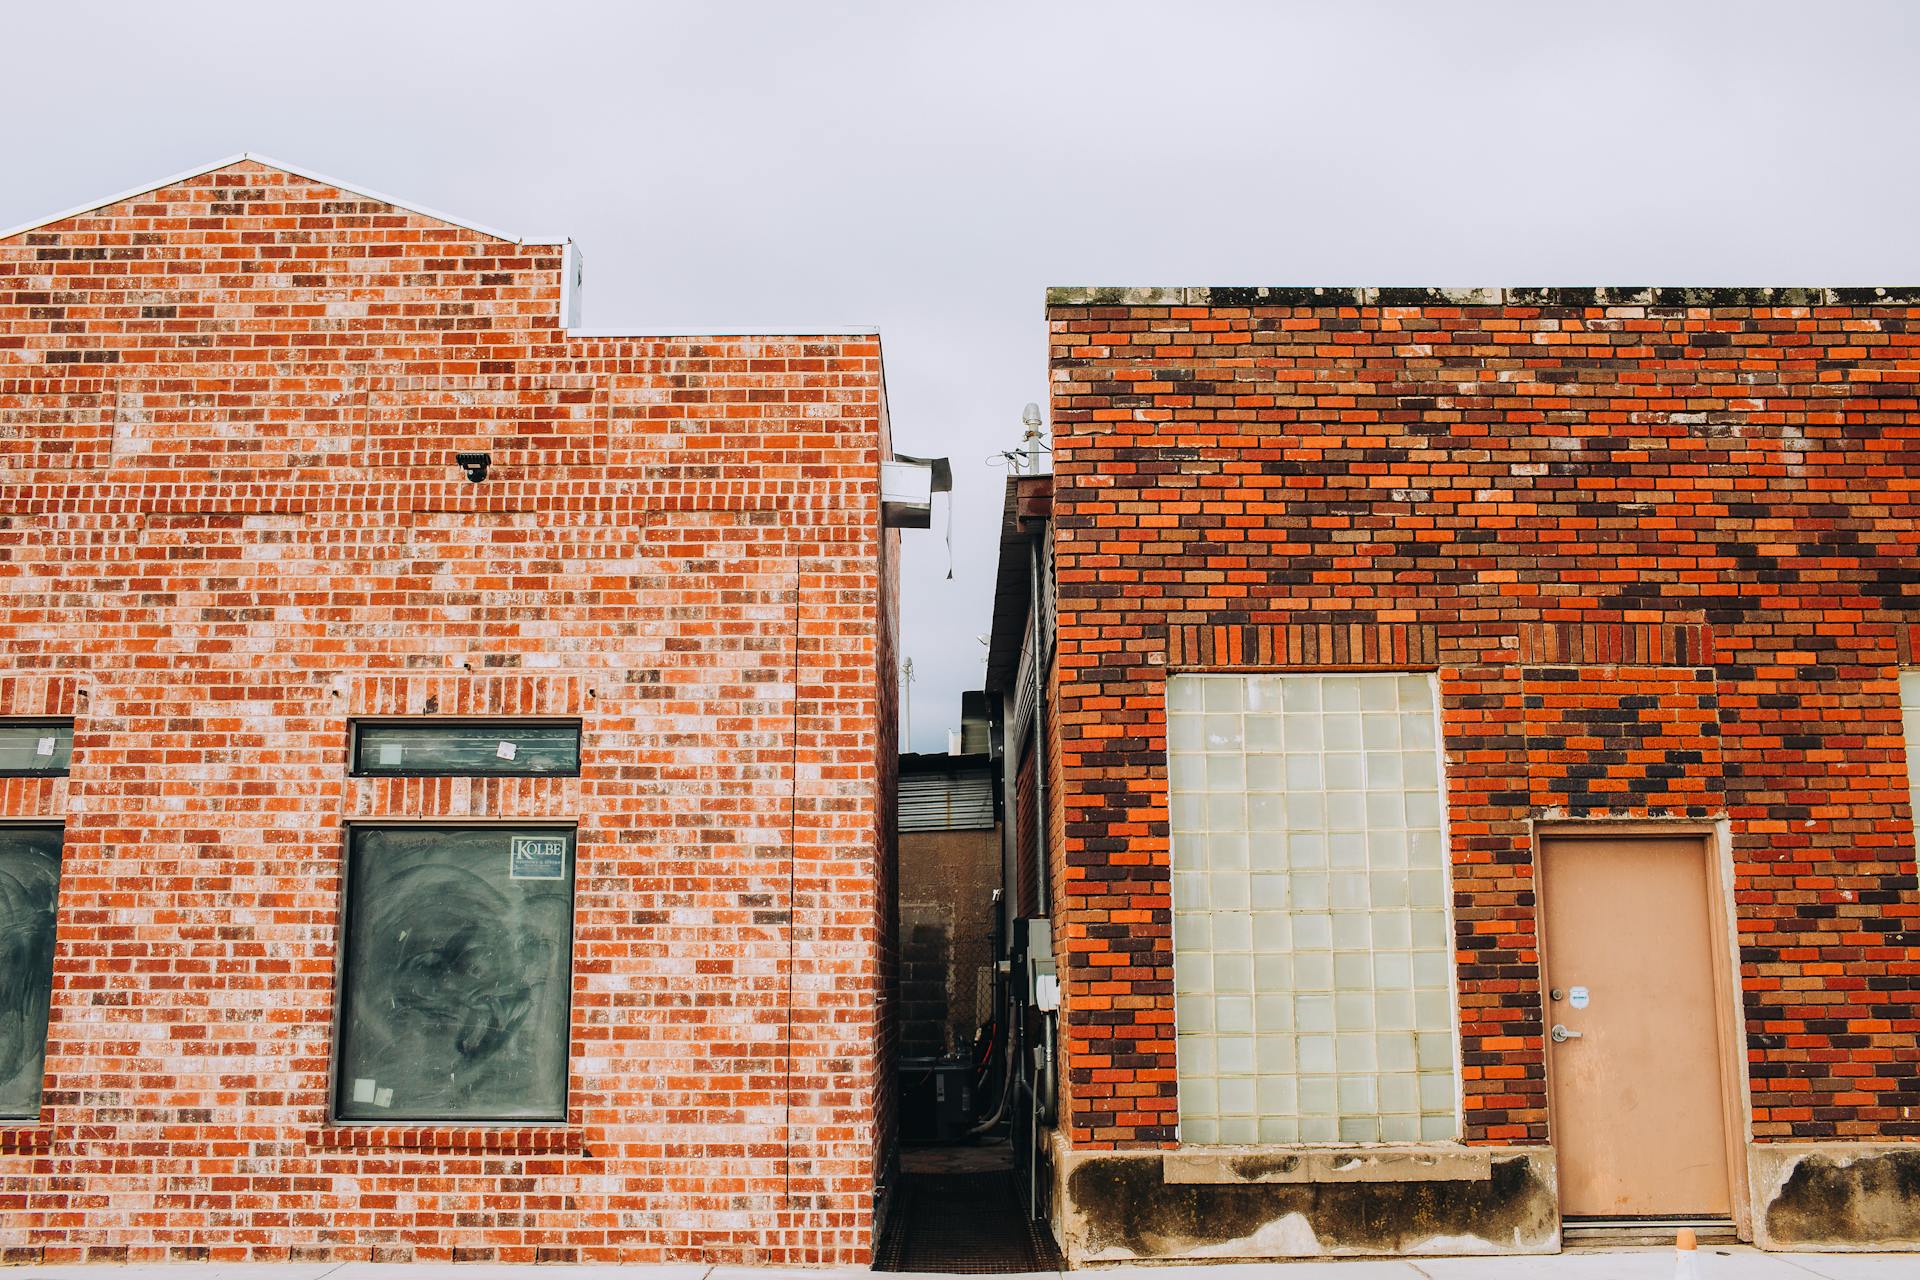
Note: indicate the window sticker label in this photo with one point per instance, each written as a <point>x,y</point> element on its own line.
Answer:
<point>538,858</point>
<point>45,746</point>
<point>506,751</point>
<point>390,753</point>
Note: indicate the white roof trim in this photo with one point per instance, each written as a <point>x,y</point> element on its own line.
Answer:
<point>571,269</point>
<point>294,169</point>
<point>733,331</point>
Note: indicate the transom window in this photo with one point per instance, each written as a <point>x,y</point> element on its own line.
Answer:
<point>500,747</point>
<point>35,748</point>
<point>1312,949</point>
<point>457,977</point>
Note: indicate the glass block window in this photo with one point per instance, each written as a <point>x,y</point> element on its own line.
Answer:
<point>1910,720</point>
<point>456,987</point>
<point>1312,949</point>
<point>29,887</point>
<point>35,748</point>
<point>506,748</point>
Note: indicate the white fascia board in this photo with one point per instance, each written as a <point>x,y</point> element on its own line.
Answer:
<point>717,331</point>
<point>117,197</point>
<point>571,276</point>
<point>299,172</point>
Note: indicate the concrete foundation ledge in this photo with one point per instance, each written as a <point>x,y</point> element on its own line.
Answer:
<point>1261,1203</point>
<point>1835,1196</point>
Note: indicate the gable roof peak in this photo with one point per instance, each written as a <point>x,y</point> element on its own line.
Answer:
<point>298,171</point>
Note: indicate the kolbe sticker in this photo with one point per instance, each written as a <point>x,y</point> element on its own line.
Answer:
<point>538,858</point>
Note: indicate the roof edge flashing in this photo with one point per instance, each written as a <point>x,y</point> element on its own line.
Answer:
<point>1492,296</point>
<point>573,268</point>
<point>725,331</point>
<point>298,171</point>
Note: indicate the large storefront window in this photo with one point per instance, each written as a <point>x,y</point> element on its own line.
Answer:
<point>29,888</point>
<point>1312,949</point>
<point>457,982</point>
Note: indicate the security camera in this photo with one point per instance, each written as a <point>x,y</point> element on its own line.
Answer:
<point>474,464</point>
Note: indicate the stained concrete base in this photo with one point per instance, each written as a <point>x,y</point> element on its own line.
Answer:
<point>1595,1264</point>
<point>1256,1203</point>
<point>1835,1195</point>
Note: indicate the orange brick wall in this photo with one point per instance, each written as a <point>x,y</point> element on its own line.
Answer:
<point>1662,547</point>
<point>229,522</point>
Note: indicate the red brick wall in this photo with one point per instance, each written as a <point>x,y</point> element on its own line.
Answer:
<point>229,522</point>
<point>1664,551</point>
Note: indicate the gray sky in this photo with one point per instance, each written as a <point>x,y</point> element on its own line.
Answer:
<point>931,169</point>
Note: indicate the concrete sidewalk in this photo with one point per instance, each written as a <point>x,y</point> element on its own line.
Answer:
<point>1714,1263</point>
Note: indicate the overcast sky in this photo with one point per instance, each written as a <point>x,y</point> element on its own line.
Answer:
<point>932,168</point>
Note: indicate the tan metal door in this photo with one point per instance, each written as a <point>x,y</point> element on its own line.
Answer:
<point>1636,1085</point>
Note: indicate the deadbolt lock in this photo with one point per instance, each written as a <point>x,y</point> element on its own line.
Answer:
<point>1556,994</point>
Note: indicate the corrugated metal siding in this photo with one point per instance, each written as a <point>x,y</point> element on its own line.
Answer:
<point>1023,691</point>
<point>946,801</point>
<point>1049,598</point>
<point>1026,805</point>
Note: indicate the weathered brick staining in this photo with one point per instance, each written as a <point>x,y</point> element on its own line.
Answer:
<point>230,522</point>
<point>1661,546</point>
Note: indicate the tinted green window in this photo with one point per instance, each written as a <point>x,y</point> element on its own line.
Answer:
<point>31,747</point>
<point>500,747</point>
<point>458,974</point>
<point>29,886</point>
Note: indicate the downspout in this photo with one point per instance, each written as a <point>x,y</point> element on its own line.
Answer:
<point>1041,870</point>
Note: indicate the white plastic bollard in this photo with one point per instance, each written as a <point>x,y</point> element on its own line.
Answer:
<point>1686,1255</point>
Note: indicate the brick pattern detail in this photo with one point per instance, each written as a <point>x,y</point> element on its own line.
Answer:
<point>504,1140</point>
<point>1624,644</point>
<point>1358,645</point>
<point>1664,554</point>
<point>1617,739</point>
<point>25,1139</point>
<point>1907,645</point>
<point>229,512</point>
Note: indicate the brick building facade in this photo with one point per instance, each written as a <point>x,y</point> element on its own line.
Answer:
<point>233,535</point>
<point>1651,561</point>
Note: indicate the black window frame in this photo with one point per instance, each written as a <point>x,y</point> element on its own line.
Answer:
<point>343,979</point>
<point>355,768</point>
<point>11,1119</point>
<point>40,722</point>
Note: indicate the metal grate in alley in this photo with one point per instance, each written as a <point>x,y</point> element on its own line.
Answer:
<point>960,1212</point>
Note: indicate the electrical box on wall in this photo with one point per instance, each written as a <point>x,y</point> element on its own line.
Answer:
<point>1033,938</point>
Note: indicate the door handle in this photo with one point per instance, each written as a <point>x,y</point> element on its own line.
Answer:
<point>1561,1035</point>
